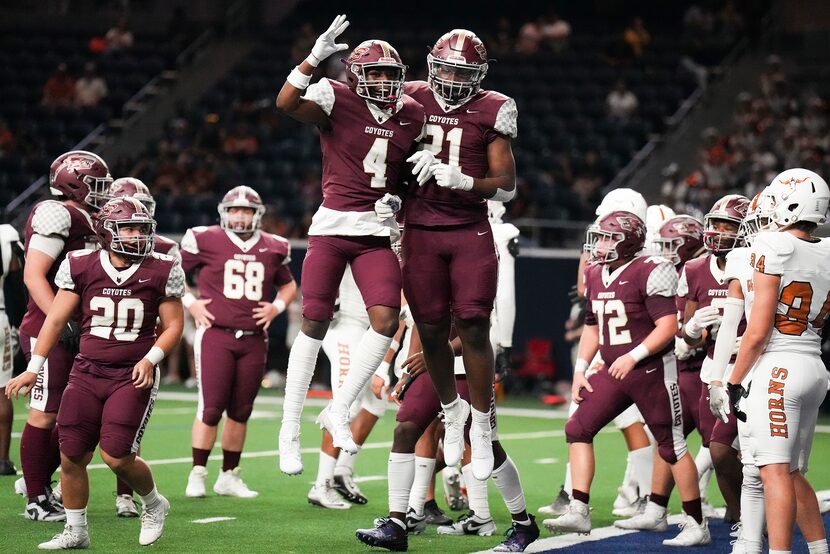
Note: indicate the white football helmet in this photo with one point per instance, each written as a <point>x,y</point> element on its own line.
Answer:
<point>656,216</point>
<point>757,218</point>
<point>623,200</point>
<point>796,195</point>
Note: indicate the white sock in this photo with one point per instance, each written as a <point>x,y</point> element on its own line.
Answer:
<point>424,470</point>
<point>569,489</point>
<point>771,551</point>
<point>482,419</point>
<point>703,461</point>
<point>451,405</point>
<point>151,499</point>
<point>476,493</point>
<point>325,469</point>
<point>345,462</point>
<point>642,465</point>
<point>753,511</point>
<point>509,484</point>
<point>76,518</point>
<point>400,473</point>
<point>370,352</point>
<point>301,362</point>
<point>815,547</point>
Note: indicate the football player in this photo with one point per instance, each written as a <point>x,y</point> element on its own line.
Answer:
<point>367,127</point>
<point>244,283</point>
<point>11,290</point>
<point>54,228</point>
<point>782,349</point>
<point>450,266</point>
<point>119,292</point>
<point>634,326</point>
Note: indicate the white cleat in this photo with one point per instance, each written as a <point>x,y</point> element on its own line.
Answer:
<point>559,505</point>
<point>70,538</point>
<point>20,487</point>
<point>337,424</point>
<point>230,483</point>
<point>576,519</point>
<point>691,533</point>
<point>152,522</point>
<point>43,509</point>
<point>653,518</point>
<point>454,421</point>
<point>454,491</point>
<point>291,462</point>
<point>125,506</point>
<point>735,532</point>
<point>196,482</point>
<point>481,448</point>
<point>709,511</point>
<point>824,506</point>
<point>625,505</point>
<point>469,524</point>
<point>326,497</point>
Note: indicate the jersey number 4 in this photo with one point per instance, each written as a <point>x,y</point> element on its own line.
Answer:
<point>612,311</point>
<point>120,319</point>
<point>797,297</point>
<point>243,279</point>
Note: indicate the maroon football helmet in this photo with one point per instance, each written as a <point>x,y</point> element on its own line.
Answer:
<point>615,236</point>
<point>376,54</point>
<point>241,197</point>
<point>732,209</point>
<point>130,186</point>
<point>680,239</point>
<point>81,176</point>
<point>457,65</point>
<point>114,217</point>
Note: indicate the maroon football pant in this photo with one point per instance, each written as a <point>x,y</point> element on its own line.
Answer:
<point>421,405</point>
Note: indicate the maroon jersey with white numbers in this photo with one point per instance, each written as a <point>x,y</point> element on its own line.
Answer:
<point>458,137</point>
<point>119,307</point>
<point>363,151</point>
<point>234,274</point>
<point>54,219</point>
<point>625,303</point>
<point>695,361</point>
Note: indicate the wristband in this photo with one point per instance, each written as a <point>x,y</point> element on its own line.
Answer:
<point>466,182</point>
<point>312,60</point>
<point>639,353</point>
<point>279,303</point>
<point>298,79</point>
<point>580,366</point>
<point>35,364</point>
<point>394,345</point>
<point>155,355</point>
<point>188,299</point>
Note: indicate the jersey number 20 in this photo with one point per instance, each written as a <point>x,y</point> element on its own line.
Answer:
<point>120,319</point>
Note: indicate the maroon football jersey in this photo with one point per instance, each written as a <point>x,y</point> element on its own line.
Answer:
<point>119,308</point>
<point>626,302</point>
<point>236,275</point>
<point>362,156</point>
<point>458,137</point>
<point>52,218</point>
<point>694,362</point>
<point>706,283</point>
<point>164,245</point>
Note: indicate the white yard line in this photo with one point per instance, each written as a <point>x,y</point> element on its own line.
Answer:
<point>213,519</point>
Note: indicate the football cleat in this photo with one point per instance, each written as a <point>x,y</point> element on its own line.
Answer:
<point>20,487</point>
<point>481,448</point>
<point>230,483</point>
<point>7,468</point>
<point>196,482</point>
<point>326,497</point>
<point>386,534</point>
<point>348,489</point>
<point>469,524</point>
<point>415,524</point>
<point>337,424</point>
<point>691,533</point>
<point>576,519</point>
<point>55,495</point>
<point>625,505</point>
<point>559,505</point>
<point>708,509</point>
<point>519,536</point>
<point>735,532</point>
<point>125,506</point>
<point>434,514</point>
<point>454,493</point>
<point>42,509</point>
<point>152,522</point>
<point>291,463</point>
<point>824,506</point>
<point>652,518</point>
<point>454,421</point>
<point>70,538</point>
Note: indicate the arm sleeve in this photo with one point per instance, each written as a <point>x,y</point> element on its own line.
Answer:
<point>733,310</point>
<point>322,94</point>
<point>504,314</point>
<point>175,281</point>
<point>507,120</point>
<point>63,278</point>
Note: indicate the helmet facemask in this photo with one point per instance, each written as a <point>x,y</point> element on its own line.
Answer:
<point>98,190</point>
<point>384,92</point>
<point>601,246</point>
<point>240,225</point>
<point>669,248</point>
<point>134,247</point>
<point>720,242</point>
<point>455,80</point>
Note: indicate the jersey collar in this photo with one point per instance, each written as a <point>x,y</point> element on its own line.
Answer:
<point>609,278</point>
<point>243,245</point>
<point>449,107</point>
<point>717,272</point>
<point>379,114</point>
<point>119,277</point>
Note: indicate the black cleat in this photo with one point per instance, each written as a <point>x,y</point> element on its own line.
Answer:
<point>519,536</point>
<point>7,468</point>
<point>348,489</point>
<point>434,514</point>
<point>386,534</point>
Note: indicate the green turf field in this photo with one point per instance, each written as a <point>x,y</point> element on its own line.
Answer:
<point>281,520</point>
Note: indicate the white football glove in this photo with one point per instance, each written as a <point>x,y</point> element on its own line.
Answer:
<point>704,317</point>
<point>449,176</point>
<point>406,316</point>
<point>719,402</point>
<point>325,46</point>
<point>423,160</point>
<point>682,349</point>
<point>387,206</point>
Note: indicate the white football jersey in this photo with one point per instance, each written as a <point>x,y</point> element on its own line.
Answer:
<point>8,236</point>
<point>804,293</point>
<point>738,267</point>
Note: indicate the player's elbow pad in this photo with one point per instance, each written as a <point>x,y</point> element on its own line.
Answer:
<point>503,195</point>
